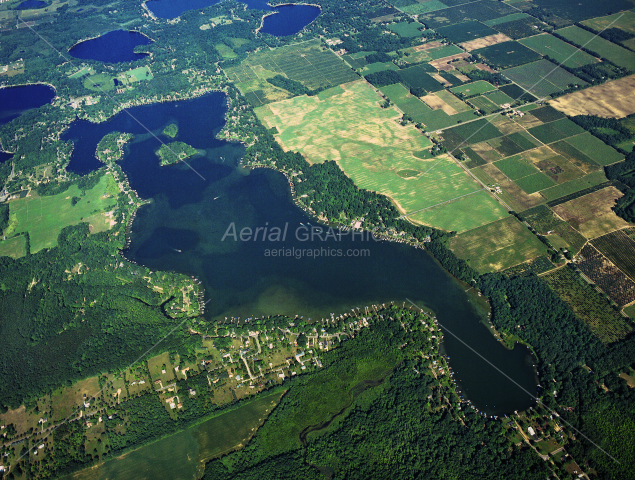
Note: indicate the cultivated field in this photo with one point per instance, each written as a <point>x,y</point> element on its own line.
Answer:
<point>605,49</point>
<point>307,63</point>
<point>606,275</point>
<point>485,42</point>
<point>498,245</point>
<point>45,217</point>
<point>588,305</point>
<point>562,52</point>
<point>614,99</point>
<point>473,89</point>
<point>591,214</point>
<point>559,232</point>
<point>595,148</point>
<point>624,21</point>
<point>369,145</point>
<point>507,54</point>
<point>620,249</point>
<point>542,78</point>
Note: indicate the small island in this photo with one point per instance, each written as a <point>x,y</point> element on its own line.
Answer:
<point>110,148</point>
<point>171,130</point>
<point>175,152</point>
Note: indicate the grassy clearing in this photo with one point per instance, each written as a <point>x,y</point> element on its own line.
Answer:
<point>497,246</point>
<point>404,29</point>
<point>13,247</point>
<point>45,217</point>
<point>588,305</point>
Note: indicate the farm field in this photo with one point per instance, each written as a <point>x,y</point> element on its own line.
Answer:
<point>497,246</point>
<point>606,275</point>
<point>463,214</point>
<point>473,89</point>
<point>507,54</point>
<point>624,21</point>
<point>619,248</point>
<point>371,147</point>
<point>465,31</point>
<point>542,78</point>
<point>591,214</point>
<point>518,28</point>
<point>405,101</point>
<point>607,324</point>
<point>45,217</point>
<point>610,99</point>
<point>562,52</point>
<point>306,63</point>
<point>378,67</point>
<point>484,104</point>
<point>595,148</point>
<point>614,53</point>
<point>404,29</point>
<point>559,232</point>
<point>485,41</point>
<point>573,186</point>
<point>507,18</point>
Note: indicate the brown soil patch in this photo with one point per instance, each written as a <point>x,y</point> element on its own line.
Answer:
<point>614,99</point>
<point>440,62</point>
<point>485,68</point>
<point>435,103</point>
<point>485,41</point>
<point>591,214</point>
<point>427,46</point>
<point>487,152</point>
<point>441,80</point>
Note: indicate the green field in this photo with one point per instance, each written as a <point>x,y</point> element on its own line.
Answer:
<point>185,452</point>
<point>595,148</point>
<point>45,217</point>
<point>542,78</point>
<point>416,8</point>
<point>567,188</point>
<point>307,63</point>
<point>558,232</point>
<point>605,49</point>
<point>484,104</point>
<point>13,247</point>
<point>562,52</point>
<point>378,67</point>
<point>405,101</point>
<point>499,98</point>
<point>473,89</point>
<point>516,167</point>
<point>497,246</point>
<point>372,149</point>
<point>463,214</point>
<point>507,54</point>
<point>100,82</point>
<point>534,183</point>
<point>507,18</point>
<point>404,29</point>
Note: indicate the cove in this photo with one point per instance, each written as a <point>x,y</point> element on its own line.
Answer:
<point>14,101</point>
<point>188,228</point>
<point>289,19</point>
<point>170,9</point>
<point>112,47</point>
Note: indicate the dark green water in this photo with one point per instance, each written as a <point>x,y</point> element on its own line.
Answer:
<point>183,230</point>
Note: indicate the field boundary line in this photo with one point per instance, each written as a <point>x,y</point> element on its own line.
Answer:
<point>442,203</point>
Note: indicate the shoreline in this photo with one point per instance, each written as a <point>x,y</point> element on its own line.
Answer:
<point>262,21</point>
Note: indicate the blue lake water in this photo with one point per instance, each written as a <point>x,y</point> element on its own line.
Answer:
<point>31,4</point>
<point>289,19</point>
<point>14,101</point>
<point>112,47</point>
<point>171,9</point>
<point>192,211</point>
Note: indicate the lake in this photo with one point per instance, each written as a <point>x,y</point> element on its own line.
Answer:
<point>112,47</point>
<point>194,222</point>
<point>289,19</point>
